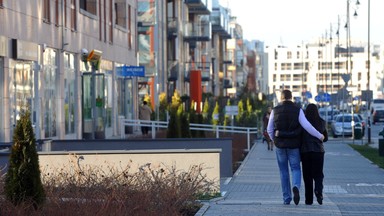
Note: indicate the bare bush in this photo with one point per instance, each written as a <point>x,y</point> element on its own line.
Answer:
<point>89,190</point>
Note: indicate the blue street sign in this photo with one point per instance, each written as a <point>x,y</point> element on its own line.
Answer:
<point>308,94</point>
<point>130,71</point>
<point>325,97</point>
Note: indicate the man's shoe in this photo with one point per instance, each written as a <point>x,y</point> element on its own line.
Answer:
<point>319,197</point>
<point>296,195</point>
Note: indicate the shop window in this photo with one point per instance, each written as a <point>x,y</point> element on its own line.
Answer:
<point>69,93</point>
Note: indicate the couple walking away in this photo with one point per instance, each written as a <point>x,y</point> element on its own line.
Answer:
<point>293,144</point>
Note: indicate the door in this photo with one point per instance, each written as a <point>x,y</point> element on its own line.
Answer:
<point>93,103</point>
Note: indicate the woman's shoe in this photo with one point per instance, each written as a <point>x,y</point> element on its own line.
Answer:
<point>319,197</point>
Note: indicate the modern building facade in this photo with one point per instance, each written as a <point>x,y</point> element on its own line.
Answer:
<point>60,59</point>
<point>322,69</point>
<point>67,60</point>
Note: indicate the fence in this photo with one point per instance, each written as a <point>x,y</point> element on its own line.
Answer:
<point>192,126</point>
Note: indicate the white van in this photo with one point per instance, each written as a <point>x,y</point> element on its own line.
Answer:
<point>377,104</point>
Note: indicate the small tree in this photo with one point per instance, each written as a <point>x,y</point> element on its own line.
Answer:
<point>215,114</point>
<point>23,180</point>
<point>174,122</point>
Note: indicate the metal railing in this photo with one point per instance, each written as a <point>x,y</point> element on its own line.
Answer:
<point>192,126</point>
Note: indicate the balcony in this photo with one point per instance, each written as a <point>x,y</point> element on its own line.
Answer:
<point>199,6</point>
<point>173,70</point>
<point>147,59</point>
<point>172,27</point>
<point>228,58</point>
<point>220,22</point>
<point>146,15</point>
<point>205,68</point>
<point>197,31</point>
<point>228,83</point>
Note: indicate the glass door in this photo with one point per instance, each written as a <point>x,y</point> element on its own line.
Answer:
<point>93,101</point>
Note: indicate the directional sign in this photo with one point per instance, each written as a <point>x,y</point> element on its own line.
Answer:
<point>130,71</point>
<point>325,97</point>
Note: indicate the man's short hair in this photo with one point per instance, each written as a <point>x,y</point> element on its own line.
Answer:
<point>286,95</point>
<point>145,102</point>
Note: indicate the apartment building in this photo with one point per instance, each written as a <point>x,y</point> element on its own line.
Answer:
<point>60,58</point>
<point>315,69</point>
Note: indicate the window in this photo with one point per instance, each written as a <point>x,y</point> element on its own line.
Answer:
<point>49,105</point>
<point>121,13</point>
<point>286,66</point>
<point>298,54</point>
<point>289,55</point>
<point>69,93</point>
<point>46,11</point>
<point>298,66</point>
<point>73,15</point>
<point>89,5</point>
<point>110,23</point>
<point>57,12</point>
<point>319,54</point>
<point>129,28</point>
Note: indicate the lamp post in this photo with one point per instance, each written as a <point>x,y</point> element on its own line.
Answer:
<point>368,71</point>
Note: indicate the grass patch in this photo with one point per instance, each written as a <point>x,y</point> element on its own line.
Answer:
<point>370,153</point>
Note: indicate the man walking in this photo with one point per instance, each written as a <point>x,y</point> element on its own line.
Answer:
<point>284,128</point>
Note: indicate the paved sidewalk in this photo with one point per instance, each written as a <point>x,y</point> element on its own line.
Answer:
<point>352,186</point>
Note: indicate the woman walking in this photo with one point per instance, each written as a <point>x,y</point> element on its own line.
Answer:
<point>312,156</point>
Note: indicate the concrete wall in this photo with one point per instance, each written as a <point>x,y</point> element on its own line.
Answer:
<point>225,144</point>
<point>51,162</point>
<point>55,146</point>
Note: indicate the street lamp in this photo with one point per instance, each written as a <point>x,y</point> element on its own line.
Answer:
<point>368,71</point>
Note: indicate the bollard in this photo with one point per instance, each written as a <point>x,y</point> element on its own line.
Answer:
<point>381,144</point>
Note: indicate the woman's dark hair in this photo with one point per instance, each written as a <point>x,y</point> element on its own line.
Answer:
<point>312,114</point>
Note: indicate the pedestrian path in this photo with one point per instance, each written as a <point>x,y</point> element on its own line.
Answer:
<point>351,183</point>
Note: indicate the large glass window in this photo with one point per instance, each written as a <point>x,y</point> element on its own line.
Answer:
<point>108,99</point>
<point>69,93</point>
<point>22,93</point>
<point>49,96</point>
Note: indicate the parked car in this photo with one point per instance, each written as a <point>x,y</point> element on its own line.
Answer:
<point>362,122</point>
<point>342,125</point>
<point>378,116</point>
<point>328,114</point>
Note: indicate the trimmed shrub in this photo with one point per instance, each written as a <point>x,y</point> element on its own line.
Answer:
<point>22,181</point>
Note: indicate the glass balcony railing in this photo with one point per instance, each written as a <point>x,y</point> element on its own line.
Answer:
<point>172,27</point>
<point>220,22</point>
<point>194,31</point>
<point>147,59</point>
<point>199,6</point>
<point>204,67</point>
<point>173,70</point>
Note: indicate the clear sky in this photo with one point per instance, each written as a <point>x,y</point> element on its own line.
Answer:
<point>291,22</point>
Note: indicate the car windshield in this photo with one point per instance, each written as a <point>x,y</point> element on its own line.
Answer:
<point>347,118</point>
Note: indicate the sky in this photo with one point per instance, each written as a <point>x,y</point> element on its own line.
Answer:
<point>293,22</point>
